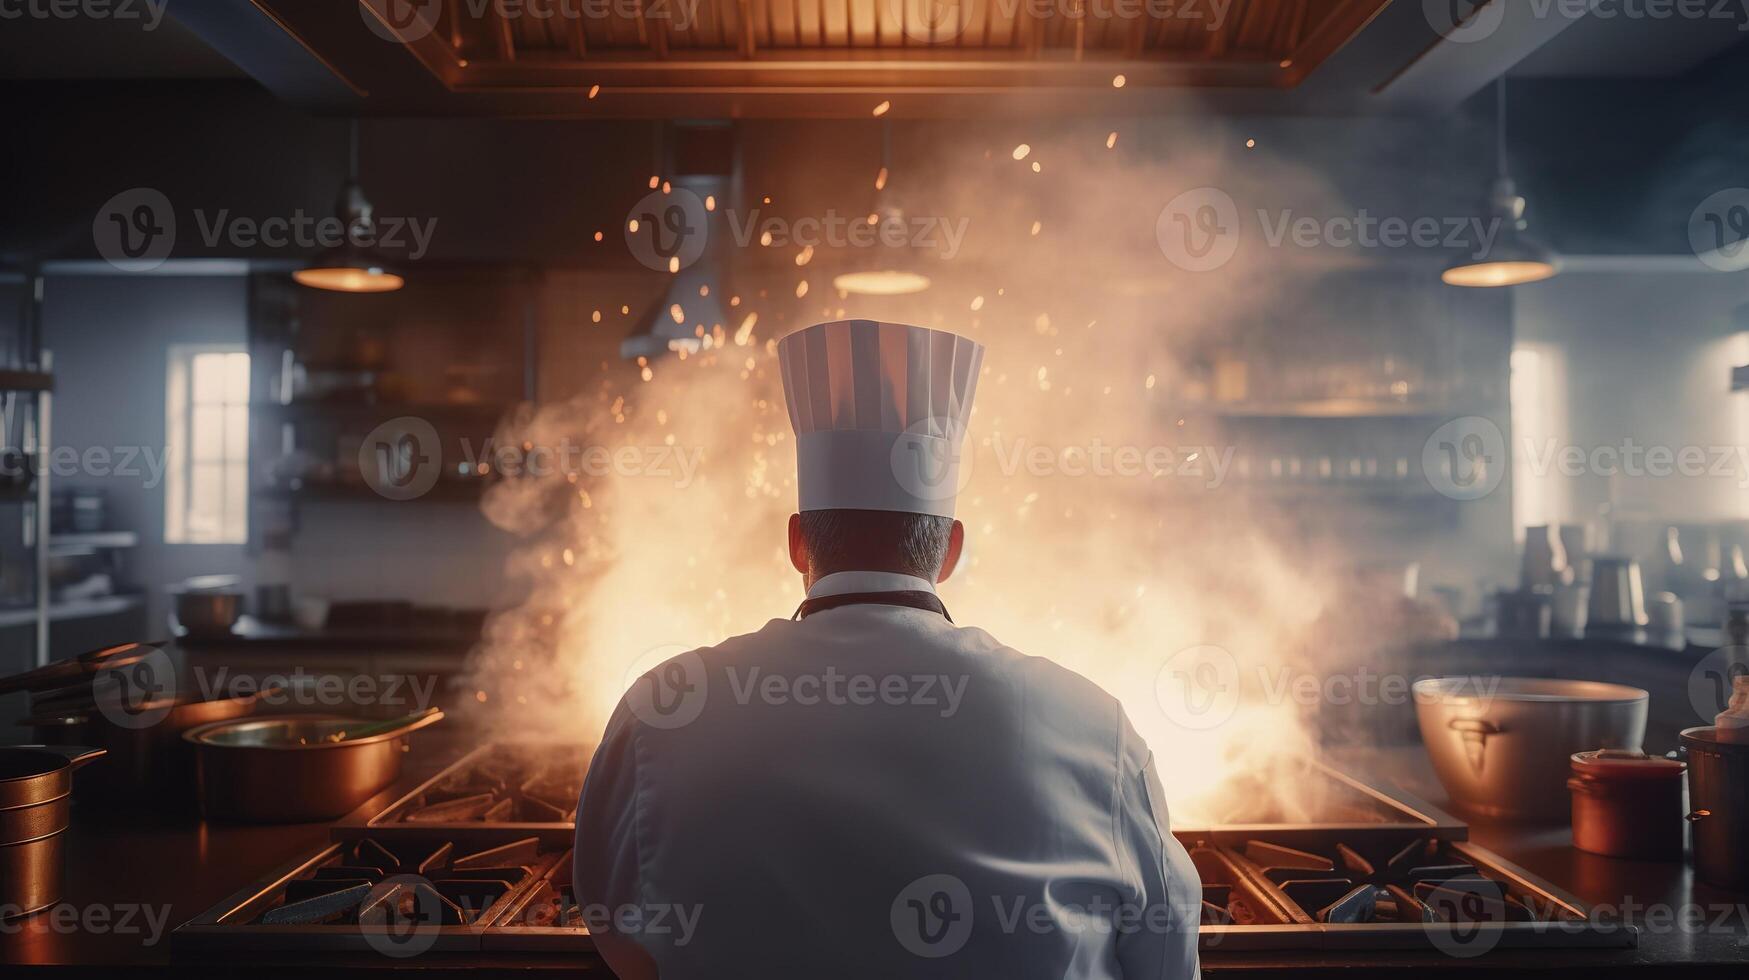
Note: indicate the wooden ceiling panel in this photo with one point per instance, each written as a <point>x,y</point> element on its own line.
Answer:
<point>504,50</point>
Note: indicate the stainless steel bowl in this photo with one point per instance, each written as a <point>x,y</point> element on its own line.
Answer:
<point>208,612</point>
<point>1501,745</point>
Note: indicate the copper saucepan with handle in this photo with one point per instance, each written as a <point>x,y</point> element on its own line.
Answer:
<point>36,787</point>
<point>298,768</point>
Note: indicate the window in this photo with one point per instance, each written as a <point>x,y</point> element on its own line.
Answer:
<point>1538,393</point>
<point>206,499</point>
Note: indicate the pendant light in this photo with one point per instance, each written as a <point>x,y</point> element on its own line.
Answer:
<point>351,267</point>
<point>1513,257</point>
<point>883,279</point>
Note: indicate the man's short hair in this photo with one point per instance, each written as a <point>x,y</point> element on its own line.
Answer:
<point>876,540</point>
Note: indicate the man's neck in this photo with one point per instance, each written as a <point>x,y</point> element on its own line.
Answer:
<point>844,581</point>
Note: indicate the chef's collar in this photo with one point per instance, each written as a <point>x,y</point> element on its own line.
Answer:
<point>842,583</point>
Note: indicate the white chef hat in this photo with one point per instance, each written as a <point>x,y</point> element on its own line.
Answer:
<point>880,412</point>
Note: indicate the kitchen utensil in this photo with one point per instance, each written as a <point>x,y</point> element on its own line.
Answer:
<point>1627,804</point>
<point>273,603</point>
<point>1718,791</point>
<point>1576,544</point>
<point>310,612</point>
<point>206,608</point>
<point>1618,600</point>
<point>149,765</point>
<point>36,783</point>
<point>296,768</point>
<point>1501,746</point>
<point>1665,622</point>
<point>76,672</point>
<point>1545,559</point>
<point>1567,610</point>
<point>1523,614</point>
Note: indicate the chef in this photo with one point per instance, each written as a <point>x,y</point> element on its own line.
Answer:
<point>867,788</point>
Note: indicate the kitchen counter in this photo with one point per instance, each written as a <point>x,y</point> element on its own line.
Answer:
<point>119,861</point>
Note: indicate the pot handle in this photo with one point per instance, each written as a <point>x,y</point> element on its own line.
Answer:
<point>1474,726</point>
<point>77,755</point>
<point>1699,815</point>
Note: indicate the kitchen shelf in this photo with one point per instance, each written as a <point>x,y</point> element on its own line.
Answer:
<point>1319,408</point>
<point>107,605</point>
<point>88,541</point>
<point>15,379</point>
<point>462,411</point>
<point>443,491</point>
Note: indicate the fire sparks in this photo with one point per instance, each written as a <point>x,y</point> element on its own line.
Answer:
<point>1117,81</point>
<point>1138,571</point>
<point>881,109</point>
<point>594,90</point>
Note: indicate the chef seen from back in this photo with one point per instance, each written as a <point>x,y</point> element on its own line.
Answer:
<point>865,788</point>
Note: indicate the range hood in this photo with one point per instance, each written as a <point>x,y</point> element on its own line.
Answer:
<point>680,230</point>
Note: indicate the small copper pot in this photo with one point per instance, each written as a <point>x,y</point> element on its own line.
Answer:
<point>36,786</point>
<point>1627,804</point>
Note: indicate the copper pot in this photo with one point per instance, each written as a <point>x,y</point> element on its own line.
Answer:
<point>1627,804</point>
<point>36,786</point>
<point>147,765</point>
<point>297,768</point>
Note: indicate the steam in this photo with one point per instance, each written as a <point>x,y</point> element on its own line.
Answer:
<point>1111,575</point>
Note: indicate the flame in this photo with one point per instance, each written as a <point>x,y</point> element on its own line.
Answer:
<point>1114,576</point>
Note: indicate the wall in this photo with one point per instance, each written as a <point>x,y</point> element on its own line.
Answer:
<point>1647,358</point>
<point>110,336</point>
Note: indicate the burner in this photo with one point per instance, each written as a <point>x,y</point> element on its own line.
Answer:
<point>1373,882</point>
<point>508,790</point>
<point>336,898</point>
<point>486,843</point>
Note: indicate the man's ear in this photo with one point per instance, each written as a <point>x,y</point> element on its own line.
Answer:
<point>798,547</point>
<point>956,542</point>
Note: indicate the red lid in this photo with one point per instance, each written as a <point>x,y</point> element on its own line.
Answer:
<point>1625,764</point>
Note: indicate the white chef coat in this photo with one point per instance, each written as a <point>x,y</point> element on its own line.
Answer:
<point>873,791</point>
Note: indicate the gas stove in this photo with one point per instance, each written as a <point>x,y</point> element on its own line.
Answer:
<point>478,858</point>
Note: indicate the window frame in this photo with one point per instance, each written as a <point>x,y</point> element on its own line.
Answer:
<point>180,409</point>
